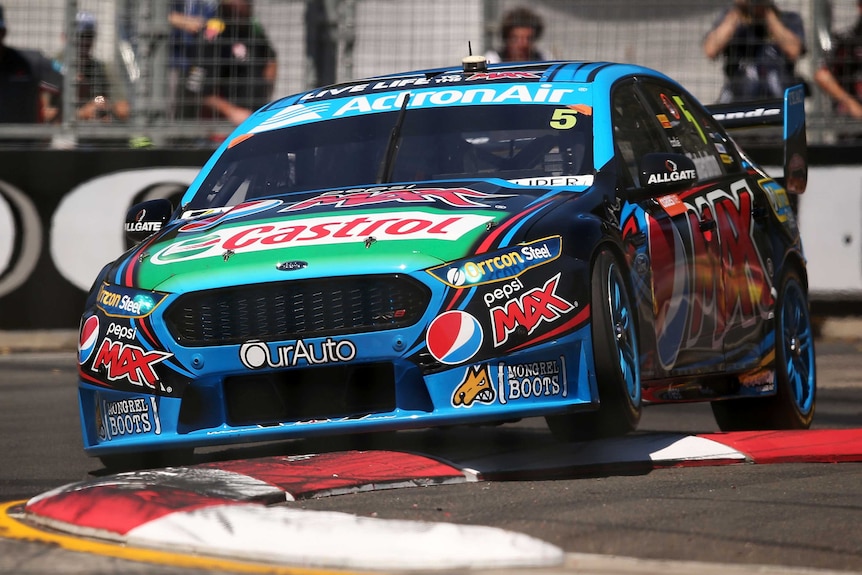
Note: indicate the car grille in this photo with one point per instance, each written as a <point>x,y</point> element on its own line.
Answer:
<point>306,394</point>
<point>296,309</point>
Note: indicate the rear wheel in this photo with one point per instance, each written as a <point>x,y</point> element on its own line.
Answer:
<point>615,351</point>
<point>792,406</point>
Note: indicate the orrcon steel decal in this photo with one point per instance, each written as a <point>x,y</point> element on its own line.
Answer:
<point>498,266</point>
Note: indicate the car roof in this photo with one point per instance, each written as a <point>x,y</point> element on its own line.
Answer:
<point>599,74</point>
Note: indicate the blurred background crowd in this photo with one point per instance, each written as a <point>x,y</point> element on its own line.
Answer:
<point>182,73</point>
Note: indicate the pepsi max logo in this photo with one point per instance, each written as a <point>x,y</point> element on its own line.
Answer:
<point>87,339</point>
<point>454,337</point>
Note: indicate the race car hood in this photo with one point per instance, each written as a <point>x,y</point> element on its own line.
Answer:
<point>388,229</point>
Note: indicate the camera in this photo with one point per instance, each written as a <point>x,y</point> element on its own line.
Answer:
<point>756,9</point>
<point>756,5</point>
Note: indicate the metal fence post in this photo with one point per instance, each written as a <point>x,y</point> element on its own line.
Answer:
<point>70,69</point>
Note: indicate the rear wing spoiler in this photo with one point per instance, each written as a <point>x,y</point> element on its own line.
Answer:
<point>788,112</point>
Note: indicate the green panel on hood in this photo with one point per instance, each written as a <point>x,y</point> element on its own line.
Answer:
<point>329,243</point>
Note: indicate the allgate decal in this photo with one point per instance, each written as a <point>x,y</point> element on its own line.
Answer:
<point>325,230</point>
<point>529,311</point>
<point>455,197</point>
<point>673,176</point>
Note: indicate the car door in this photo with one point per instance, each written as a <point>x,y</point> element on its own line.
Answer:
<point>726,224</point>
<point>734,200</point>
<point>677,264</point>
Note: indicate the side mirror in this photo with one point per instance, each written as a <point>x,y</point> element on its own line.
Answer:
<point>147,218</point>
<point>662,174</point>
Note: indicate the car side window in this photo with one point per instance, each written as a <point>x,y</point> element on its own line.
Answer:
<point>635,131</point>
<point>691,131</point>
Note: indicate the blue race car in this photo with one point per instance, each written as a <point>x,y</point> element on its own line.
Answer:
<point>473,244</point>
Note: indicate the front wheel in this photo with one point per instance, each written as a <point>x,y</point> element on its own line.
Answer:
<point>615,351</point>
<point>792,406</point>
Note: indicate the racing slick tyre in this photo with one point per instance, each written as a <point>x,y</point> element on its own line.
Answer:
<point>792,406</point>
<point>147,459</point>
<point>615,351</point>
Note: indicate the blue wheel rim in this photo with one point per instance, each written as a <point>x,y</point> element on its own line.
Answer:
<point>798,345</point>
<point>624,335</point>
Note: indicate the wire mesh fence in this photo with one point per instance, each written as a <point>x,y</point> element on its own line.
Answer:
<point>125,73</point>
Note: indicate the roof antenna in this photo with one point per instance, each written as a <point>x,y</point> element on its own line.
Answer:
<point>473,63</point>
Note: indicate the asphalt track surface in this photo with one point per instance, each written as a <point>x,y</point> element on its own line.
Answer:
<point>608,519</point>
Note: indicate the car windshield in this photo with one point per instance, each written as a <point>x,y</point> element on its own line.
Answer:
<point>495,141</point>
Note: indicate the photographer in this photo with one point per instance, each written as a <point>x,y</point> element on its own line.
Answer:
<point>96,95</point>
<point>761,45</point>
<point>840,73</point>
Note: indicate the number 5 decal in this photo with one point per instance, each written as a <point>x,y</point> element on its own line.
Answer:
<point>564,119</point>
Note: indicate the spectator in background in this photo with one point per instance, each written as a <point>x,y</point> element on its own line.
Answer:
<point>97,96</point>
<point>761,45</point>
<point>26,82</point>
<point>520,29</point>
<point>188,18</point>
<point>840,76</point>
<point>235,67</point>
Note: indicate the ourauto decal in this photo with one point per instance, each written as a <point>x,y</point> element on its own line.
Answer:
<point>257,354</point>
